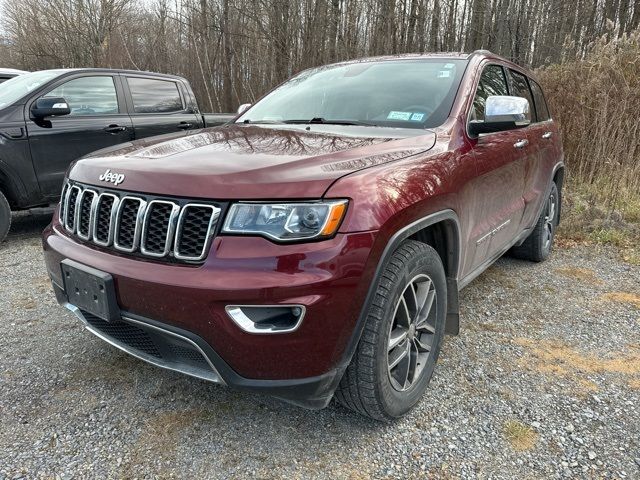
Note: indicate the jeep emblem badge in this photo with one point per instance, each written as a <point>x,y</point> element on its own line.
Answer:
<point>115,178</point>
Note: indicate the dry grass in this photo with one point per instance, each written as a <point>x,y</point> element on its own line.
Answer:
<point>560,359</point>
<point>582,274</point>
<point>600,130</point>
<point>623,297</point>
<point>521,437</point>
<point>599,120</point>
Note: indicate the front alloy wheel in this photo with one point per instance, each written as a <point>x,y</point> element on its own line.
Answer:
<point>403,330</point>
<point>412,332</point>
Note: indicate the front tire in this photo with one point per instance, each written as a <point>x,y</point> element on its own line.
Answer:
<point>5,217</point>
<point>399,347</point>
<point>538,245</point>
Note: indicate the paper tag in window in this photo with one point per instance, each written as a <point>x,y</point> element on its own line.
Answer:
<point>417,117</point>
<point>393,115</point>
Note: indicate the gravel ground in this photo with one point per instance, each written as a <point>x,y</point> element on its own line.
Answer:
<point>543,382</point>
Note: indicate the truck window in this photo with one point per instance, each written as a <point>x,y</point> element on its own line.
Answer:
<point>154,96</point>
<point>492,82</point>
<point>520,88</point>
<point>88,95</point>
<point>541,104</point>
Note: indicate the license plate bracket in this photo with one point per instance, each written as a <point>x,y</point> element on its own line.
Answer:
<point>90,289</point>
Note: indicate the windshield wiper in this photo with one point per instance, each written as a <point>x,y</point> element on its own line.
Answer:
<point>322,121</point>
<point>261,122</point>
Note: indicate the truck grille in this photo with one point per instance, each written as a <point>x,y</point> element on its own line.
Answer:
<point>161,228</point>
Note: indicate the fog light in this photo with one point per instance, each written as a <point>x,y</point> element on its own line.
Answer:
<point>266,318</point>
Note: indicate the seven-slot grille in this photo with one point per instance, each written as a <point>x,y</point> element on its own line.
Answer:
<point>131,223</point>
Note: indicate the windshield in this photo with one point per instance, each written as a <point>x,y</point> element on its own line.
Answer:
<point>414,93</point>
<point>17,87</point>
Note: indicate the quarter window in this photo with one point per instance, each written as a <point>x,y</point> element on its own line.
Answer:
<point>88,95</point>
<point>492,82</point>
<point>154,96</point>
<point>521,89</point>
<point>541,103</point>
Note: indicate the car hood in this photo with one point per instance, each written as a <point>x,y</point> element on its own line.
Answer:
<point>248,161</point>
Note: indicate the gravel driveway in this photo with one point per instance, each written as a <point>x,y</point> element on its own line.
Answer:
<point>543,382</point>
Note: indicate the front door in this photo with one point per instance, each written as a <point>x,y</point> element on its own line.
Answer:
<point>97,120</point>
<point>498,189</point>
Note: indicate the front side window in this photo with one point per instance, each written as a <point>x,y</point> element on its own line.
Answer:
<point>416,93</point>
<point>541,104</point>
<point>88,95</point>
<point>492,82</point>
<point>154,96</point>
<point>521,89</point>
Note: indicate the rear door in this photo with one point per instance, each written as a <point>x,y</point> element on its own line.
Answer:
<point>98,119</point>
<point>158,106</point>
<point>498,188</point>
<point>544,133</point>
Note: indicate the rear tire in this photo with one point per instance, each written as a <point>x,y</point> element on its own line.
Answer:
<point>538,245</point>
<point>5,217</point>
<point>400,343</point>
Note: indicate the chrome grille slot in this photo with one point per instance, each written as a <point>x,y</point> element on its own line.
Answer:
<point>128,223</point>
<point>84,212</point>
<point>193,234</point>
<point>63,203</point>
<point>169,229</point>
<point>158,228</point>
<point>70,208</point>
<point>106,208</point>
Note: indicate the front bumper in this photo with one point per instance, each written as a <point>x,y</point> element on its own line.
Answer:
<point>184,306</point>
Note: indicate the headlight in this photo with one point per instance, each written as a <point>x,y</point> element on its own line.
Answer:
<point>286,222</point>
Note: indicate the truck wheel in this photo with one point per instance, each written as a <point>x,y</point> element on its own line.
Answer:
<point>399,347</point>
<point>5,217</point>
<point>538,245</point>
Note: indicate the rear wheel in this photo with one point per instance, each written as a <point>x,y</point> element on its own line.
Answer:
<point>5,217</point>
<point>538,245</point>
<point>401,340</point>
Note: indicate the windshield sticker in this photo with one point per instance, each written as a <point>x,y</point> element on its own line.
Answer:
<point>417,117</point>
<point>444,73</point>
<point>449,65</point>
<point>399,116</point>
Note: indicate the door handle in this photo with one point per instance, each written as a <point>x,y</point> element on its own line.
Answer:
<point>185,125</point>
<point>521,143</point>
<point>115,129</point>
<point>547,135</point>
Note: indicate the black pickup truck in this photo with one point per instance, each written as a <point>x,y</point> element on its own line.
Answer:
<point>52,117</point>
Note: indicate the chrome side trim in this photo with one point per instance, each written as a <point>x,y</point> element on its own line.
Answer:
<point>112,217</point>
<point>142,205</point>
<point>175,211</point>
<point>81,196</point>
<point>214,377</point>
<point>245,323</point>
<point>207,243</point>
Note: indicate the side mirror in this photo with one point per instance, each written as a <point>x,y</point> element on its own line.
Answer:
<point>502,112</point>
<point>243,108</point>
<point>49,107</point>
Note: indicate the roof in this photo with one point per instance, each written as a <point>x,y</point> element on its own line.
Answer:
<point>12,71</point>
<point>115,70</point>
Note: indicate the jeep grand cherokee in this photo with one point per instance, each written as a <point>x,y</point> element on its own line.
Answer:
<point>314,247</point>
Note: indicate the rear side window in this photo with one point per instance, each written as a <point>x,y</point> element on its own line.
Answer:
<point>492,82</point>
<point>88,95</point>
<point>521,89</point>
<point>541,104</point>
<point>154,96</point>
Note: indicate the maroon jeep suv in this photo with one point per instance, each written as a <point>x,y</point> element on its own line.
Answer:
<point>315,246</point>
